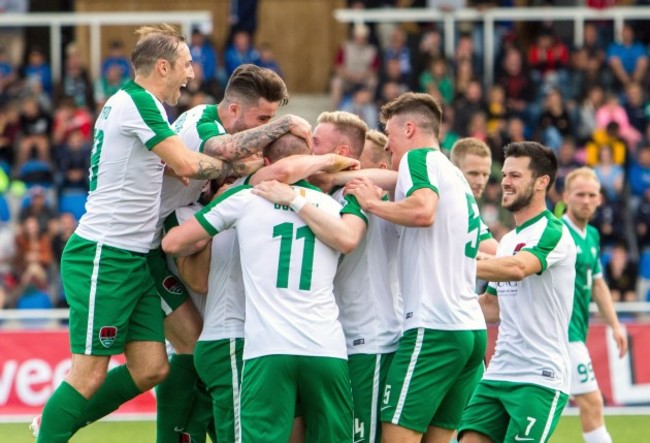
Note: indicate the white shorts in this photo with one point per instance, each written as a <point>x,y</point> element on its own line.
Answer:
<point>583,378</point>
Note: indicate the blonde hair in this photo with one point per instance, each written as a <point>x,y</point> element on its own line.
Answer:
<point>155,42</point>
<point>469,145</point>
<point>583,172</point>
<point>377,146</point>
<point>350,126</point>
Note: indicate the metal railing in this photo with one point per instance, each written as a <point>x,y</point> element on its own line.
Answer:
<point>578,15</point>
<point>95,20</point>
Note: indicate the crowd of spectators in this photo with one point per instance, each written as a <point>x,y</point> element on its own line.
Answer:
<point>587,103</point>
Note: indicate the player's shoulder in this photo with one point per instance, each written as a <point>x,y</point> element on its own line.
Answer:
<point>593,233</point>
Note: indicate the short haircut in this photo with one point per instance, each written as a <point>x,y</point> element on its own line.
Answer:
<point>349,125</point>
<point>542,160</point>
<point>424,107</point>
<point>469,145</point>
<point>583,172</point>
<point>377,146</point>
<point>249,83</point>
<point>155,42</point>
<point>286,146</point>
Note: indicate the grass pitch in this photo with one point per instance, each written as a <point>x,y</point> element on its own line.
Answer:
<point>622,428</point>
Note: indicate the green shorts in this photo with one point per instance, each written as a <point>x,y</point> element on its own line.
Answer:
<point>507,411</point>
<point>111,296</point>
<point>170,288</point>
<point>219,365</point>
<point>432,378</point>
<point>271,385</point>
<point>368,376</point>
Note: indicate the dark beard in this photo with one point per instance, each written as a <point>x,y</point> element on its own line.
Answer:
<point>522,201</point>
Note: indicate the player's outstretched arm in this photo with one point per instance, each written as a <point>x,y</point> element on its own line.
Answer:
<point>384,178</point>
<point>297,167</point>
<point>603,298</point>
<point>186,163</point>
<point>488,246</point>
<point>514,268</point>
<point>194,269</point>
<point>342,234</point>
<point>417,210</point>
<point>490,307</point>
<point>185,239</point>
<point>243,144</point>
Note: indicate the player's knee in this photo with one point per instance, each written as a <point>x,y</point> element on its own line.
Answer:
<point>152,375</point>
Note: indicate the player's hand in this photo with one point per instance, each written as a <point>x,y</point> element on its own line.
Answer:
<point>300,128</point>
<point>621,341</point>
<point>169,172</point>
<point>483,256</point>
<point>341,163</point>
<point>364,190</point>
<point>275,192</point>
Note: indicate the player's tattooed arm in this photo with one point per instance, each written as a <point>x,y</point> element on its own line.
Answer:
<point>231,147</point>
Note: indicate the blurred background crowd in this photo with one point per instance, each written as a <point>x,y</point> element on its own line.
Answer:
<point>588,103</point>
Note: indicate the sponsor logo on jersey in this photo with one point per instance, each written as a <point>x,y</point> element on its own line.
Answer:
<point>172,285</point>
<point>105,111</point>
<point>548,373</point>
<point>358,341</point>
<point>107,335</point>
<point>518,248</point>
<point>409,315</point>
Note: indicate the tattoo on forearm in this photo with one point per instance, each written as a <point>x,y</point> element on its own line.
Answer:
<point>208,170</point>
<point>246,143</point>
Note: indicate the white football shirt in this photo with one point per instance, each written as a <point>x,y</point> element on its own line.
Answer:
<point>437,264</point>
<point>532,345</point>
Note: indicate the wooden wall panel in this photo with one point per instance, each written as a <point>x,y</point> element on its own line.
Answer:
<point>302,33</point>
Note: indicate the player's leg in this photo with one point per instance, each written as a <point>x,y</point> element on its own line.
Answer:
<point>424,369</point>
<point>534,411</point>
<point>268,398</point>
<point>200,420</point>
<point>326,399</point>
<point>448,415</point>
<point>584,389</point>
<point>485,419</point>
<point>219,365</point>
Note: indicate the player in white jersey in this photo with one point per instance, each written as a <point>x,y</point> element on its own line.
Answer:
<point>362,287</point>
<point>104,270</point>
<point>440,356</point>
<point>238,127</point>
<point>582,197</point>
<point>294,343</point>
<point>525,386</point>
<point>474,159</point>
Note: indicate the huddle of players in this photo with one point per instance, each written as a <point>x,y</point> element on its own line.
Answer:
<point>321,328</point>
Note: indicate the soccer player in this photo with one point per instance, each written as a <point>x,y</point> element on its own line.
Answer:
<point>114,306</point>
<point>582,197</point>
<point>374,154</point>
<point>525,386</point>
<point>238,127</point>
<point>294,345</point>
<point>440,356</point>
<point>474,159</point>
<point>362,287</point>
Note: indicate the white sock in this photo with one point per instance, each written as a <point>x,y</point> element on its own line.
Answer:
<point>599,435</point>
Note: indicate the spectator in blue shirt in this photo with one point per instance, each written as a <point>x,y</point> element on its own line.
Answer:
<point>204,53</point>
<point>628,59</point>
<point>116,56</point>
<point>240,52</point>
<point>38,70</point>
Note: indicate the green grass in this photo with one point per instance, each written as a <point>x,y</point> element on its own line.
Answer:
<point>622,428</point>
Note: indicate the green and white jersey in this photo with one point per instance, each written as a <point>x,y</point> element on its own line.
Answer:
<point>588,269</point>
<point>364,291</point>
<point>484,231</point>
<point>177,217</point>
<point>194,127</point>
<point>288,273</point>
<point>125,176</point>
<point>437,264</point>
<point>532,345</point>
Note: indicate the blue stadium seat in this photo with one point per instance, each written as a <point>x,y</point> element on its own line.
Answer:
<point>74,202</point>
<point>644,265</point>
<point>5,213</point>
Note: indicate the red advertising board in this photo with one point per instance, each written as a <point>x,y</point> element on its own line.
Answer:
<point>33,363</point>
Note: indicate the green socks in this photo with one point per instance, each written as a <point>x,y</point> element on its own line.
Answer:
<point>60,415</point>
<point>174,398</point>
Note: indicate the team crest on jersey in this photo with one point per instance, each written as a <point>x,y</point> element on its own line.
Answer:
<point>172,285</point>
<point>107,336</point>
<point>185,438</point>
<point>518,248</point>
<point>105,111</point>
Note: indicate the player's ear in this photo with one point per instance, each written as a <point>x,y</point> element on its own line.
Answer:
<point>234,109</point>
